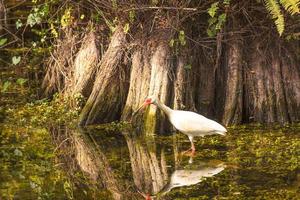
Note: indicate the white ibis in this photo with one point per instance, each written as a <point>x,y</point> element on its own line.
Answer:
<point>187,122</point>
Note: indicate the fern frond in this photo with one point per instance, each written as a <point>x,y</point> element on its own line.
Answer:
<point>274,9</point>
<point>292,6</point>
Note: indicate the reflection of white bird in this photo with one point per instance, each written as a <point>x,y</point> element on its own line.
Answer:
<point>187,122</point>
<point>180,178</point>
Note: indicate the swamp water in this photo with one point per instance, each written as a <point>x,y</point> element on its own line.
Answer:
<point>251,162</point>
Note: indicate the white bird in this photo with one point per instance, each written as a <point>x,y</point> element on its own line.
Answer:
<point>187,122</point>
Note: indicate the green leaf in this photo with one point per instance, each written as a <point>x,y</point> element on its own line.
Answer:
<point>17,152</point>
<point>171,43</point>
<point>274,9</point>
<point>212,20</point>
<point>21,81</point>
<point>3,41</point>
<point>181,38</point>
<point>126,28</point>
<point>33,19</point>
<point>188,66</point>
<point>213,9</point>
<point>19,24</point>
<point>292,6</point>
<point>131,16</point>
<point>211,32</point>
<point>5,86</point>
<point>16,60</point>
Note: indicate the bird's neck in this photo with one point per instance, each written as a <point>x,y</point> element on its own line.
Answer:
<point>163,107</point>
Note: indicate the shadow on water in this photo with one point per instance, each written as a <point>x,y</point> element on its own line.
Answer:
<point>100,164</point>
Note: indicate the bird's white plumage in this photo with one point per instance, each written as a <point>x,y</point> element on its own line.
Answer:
<point>193,124</point>
<point>187,122</point>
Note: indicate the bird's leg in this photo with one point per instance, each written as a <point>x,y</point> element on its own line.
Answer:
<point>191,151</point>
<point>193,147</point>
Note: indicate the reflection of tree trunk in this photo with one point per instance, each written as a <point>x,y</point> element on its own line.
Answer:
<point>149,173</point>
<point>92,161</point>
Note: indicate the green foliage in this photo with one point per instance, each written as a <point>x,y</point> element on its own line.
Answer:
<point>217,19</point>
<point>181,38</point>
<point>176,43</point>
<point>46,112</point>
<point>213,9</point>
<point>5,86</point>
<point>38,14</point>
<point>19,24</point>
<point>126,28</point>
<point>273,6</point>
<point>21,81</point>
<point>274,9</point>
<point>3,41</point>
<point>292,6</point>
<point>27,163</point>
<point>67,18</point>
<point>16,60</point>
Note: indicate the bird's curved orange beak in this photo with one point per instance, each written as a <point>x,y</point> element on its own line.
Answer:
<point>141,107</point>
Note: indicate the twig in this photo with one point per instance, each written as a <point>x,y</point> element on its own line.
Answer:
<point>161,8</point>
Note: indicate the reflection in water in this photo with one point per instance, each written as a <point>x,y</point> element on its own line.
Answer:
<point>149,170</point>
<point>127,166</point>
<point>192,174</point>
<point>91,160</point>
<point>149,167</point>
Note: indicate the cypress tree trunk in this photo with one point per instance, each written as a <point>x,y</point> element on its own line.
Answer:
<point>110,88</point>
<point>234,84</point>
<point>85,65</point>
<point>2,17</point>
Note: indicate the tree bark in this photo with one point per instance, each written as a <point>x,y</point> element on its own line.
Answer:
<point>110,88</point>
<point>139,82</point>
<point>2,17</point>
<point>290,71</point>
<point>234,84</point>
<point>85,65</point>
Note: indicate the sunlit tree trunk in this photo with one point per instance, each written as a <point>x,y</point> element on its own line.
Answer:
<point>110,87</point>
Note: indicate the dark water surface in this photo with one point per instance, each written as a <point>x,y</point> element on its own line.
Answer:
<point>251,162</point>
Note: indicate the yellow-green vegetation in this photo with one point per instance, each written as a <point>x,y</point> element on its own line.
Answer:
<point>58,111</point>
<point>27,165</point>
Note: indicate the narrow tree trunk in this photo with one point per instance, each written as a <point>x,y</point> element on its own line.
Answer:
<point>183,85</point>
<point>204,83</point>
<point>281,112</point>
<point>234,84</point>
<point>290,77</point>
<point>110,88</point>
<point>2,17</point>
